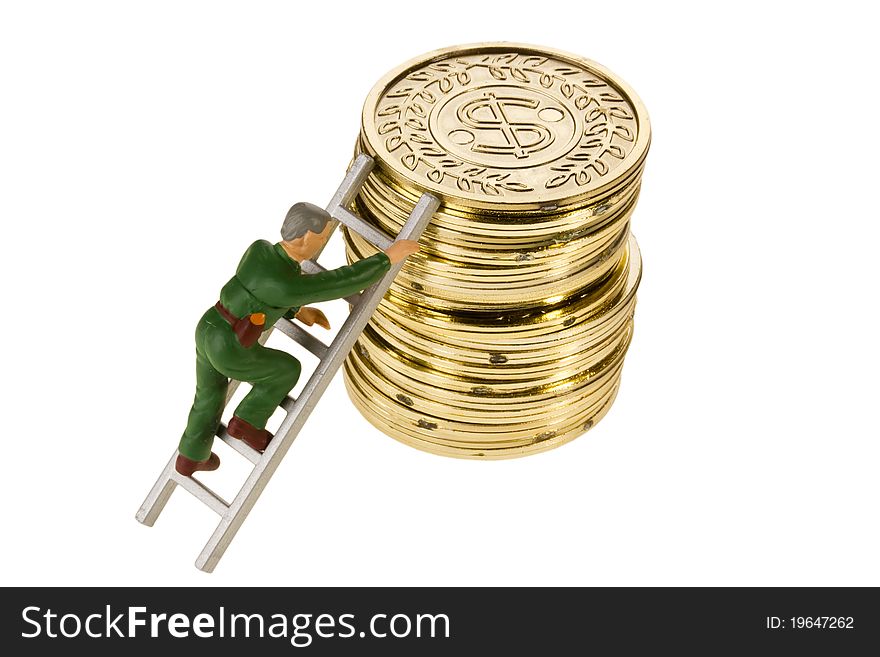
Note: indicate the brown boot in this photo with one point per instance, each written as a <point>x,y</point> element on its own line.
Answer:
<point>186,466</point>
<point>257,439</point>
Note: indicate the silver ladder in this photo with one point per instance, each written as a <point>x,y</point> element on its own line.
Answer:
<point>331,357</point>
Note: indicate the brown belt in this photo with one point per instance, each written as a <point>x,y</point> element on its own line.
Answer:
<point>246,329</point>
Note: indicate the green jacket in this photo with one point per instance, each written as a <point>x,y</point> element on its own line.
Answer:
<point>269,281</point>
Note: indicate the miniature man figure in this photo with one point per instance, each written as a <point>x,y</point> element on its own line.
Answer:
<point>267,285</point>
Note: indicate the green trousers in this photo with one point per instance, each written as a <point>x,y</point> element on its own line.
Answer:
<point>220,357</point>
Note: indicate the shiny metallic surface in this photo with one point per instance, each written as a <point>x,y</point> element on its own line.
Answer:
<point>506,335</point>
<point>504,125</point>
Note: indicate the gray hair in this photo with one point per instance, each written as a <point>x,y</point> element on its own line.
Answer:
<point>302,218</point>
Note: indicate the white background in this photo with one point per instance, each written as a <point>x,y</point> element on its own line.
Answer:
<point>145,145</point>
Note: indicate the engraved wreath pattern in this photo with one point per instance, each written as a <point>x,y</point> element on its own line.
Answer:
<point>402,121</point>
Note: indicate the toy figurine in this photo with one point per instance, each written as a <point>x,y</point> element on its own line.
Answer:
<point>267,285</point>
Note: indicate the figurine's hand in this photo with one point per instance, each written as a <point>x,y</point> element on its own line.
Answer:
<point>310,316</point>
<point>398,251</point>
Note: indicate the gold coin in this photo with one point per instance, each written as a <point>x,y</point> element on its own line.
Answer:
<point>421,436</point>
<point>477,425</point>
<point>506,334</point>
<point>485,390</point>
<point>557,318</point>
<point>505,126</point>
<point>494,360</point>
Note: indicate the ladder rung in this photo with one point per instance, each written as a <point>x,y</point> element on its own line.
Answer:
<point>239,446</point>
<point>299,335</point>
<point>361,227</point>
<point>287,404</point>
<point>312,267</point>
<point>202,493</point>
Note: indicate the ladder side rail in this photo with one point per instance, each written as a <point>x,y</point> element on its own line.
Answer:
<point>352,182</point>
<point>158,496</point>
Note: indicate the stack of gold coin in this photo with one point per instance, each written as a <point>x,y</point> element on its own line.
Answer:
<point>506,335</point>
